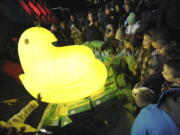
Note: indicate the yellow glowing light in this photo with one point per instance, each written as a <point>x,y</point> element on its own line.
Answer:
<point>60,74</point>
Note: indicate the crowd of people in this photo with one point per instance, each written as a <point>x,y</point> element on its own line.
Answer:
<point>145,43</point>
<point>144,40</point>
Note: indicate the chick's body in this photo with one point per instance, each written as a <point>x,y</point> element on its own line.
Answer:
<point>60,74</point>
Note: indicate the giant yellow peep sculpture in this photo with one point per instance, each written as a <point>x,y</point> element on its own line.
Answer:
<point>59,74</point>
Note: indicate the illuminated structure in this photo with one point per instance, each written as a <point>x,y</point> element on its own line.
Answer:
<point>59,74</point>
<point>70,78</point>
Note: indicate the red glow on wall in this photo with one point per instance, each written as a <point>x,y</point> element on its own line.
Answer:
<point>47,10</point>
<point>34,8</point>
<point>39,10</point>
<point>25,6</point>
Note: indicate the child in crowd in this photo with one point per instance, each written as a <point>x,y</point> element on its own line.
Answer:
<point>159,38</point>
<point>109,33</point>
<point>171,74</point>
<point>111,42</point>
<point>161,118</point>
<point>166,43</point>
<point>147,91</point>
<point>143,96</point>
<point>127,66</point>
<point>130,53</point>
<point>145,60</point>
<point>133,24</point>
<point>166,50</point>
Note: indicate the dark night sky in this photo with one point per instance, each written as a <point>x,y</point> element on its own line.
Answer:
<point>75,5</point>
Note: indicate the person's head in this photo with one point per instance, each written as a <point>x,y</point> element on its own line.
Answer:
<point>83,28</point>
<point>143,96</point>
<point>117,8</point>
<point>119,34</point>
<point>164,40</point>
<point>72,18</point>
<point>128,6</point>
<point>109,27</point>
<point>90,17</point>
<point>54,28</point>
<point>109,31</point>
<point>107,10</point>
<point>131,18</point>
<point>62,25</point>
<point>126,2</point>
<point>171,71</point>
<point>147,40</point>
<point>73,28</point>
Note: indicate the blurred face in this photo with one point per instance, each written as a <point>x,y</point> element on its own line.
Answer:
<point>109,26</point>
<point>146,41</point>
<point>53,28</point>
<point>130,23</point>
<point>107,11</point>
<point>139,100</point>
<point>168,74</point>
<point>160,50</point>
<point>72,18</point>
<point>90,17</point>
<point>142,96</point>
<point>62,24</point>
<point>73,28</point>
<point>117,8</point>
<point>126,7</point>
<point>83,28</point>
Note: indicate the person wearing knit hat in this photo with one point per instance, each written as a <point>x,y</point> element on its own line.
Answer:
<point>133,24</point>
<point>143,96</point>
<point>148,91</point>
<point>131,18</point>
<point>162,118</point>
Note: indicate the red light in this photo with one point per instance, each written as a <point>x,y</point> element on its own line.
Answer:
<point>47,10</point>
<point>25,7</point>
<point>35,9</point>
<point>41,9</point>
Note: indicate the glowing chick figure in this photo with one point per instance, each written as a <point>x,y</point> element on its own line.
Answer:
<point>60,74</point>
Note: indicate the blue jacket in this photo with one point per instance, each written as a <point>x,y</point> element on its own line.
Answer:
<point>154,121</point>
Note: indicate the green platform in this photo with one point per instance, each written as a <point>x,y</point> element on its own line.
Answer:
<point>58,114</point>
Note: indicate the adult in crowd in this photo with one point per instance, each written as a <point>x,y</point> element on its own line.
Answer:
<point>145,59</point>
<point>107,18</point>
<point>73,21</point>
<point>133,24</point>
<point>119,16</point>
<point>93,31</point>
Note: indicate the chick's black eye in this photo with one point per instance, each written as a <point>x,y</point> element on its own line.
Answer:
<point>26,41</point>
